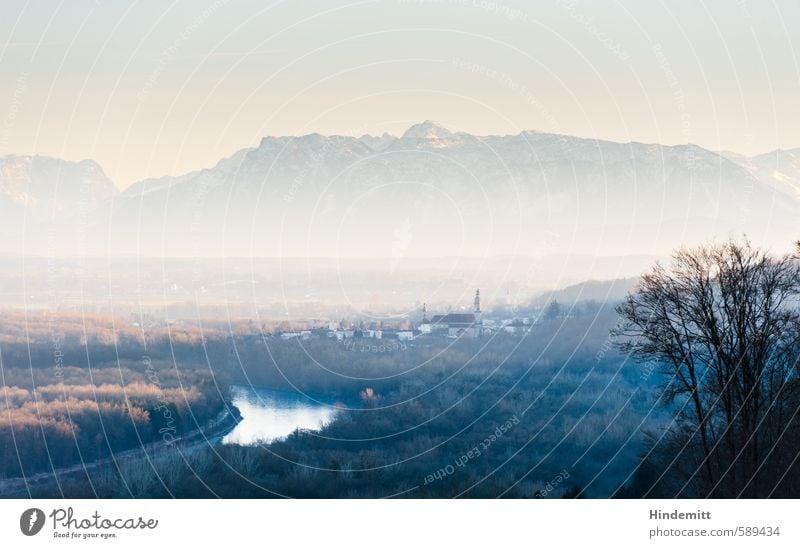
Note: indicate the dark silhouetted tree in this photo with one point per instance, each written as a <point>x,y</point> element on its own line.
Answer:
<point>723,322</point>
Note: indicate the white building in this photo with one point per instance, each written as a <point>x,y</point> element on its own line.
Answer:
<point>455,325</point>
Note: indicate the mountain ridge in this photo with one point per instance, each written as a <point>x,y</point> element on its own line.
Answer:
<point>431,191</point>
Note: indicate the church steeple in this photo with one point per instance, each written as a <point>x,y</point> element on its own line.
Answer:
<point>477,305</point>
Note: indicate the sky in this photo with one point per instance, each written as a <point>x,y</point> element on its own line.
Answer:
<point>154,88</point>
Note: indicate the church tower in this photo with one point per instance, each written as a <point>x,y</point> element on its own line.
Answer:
<point>476,310</point>
<point>425,326</point>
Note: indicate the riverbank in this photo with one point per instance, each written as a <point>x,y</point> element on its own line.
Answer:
<point>211,434</point>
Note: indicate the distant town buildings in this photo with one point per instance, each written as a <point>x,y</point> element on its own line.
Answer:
<point>449,325</point>
<point>455,325</point>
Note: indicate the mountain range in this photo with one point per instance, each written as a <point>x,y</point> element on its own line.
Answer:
<point>430,192</point>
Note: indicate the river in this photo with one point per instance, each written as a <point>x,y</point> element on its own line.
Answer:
<point>269,415</point>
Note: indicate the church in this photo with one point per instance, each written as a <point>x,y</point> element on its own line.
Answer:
<point>455,324</point>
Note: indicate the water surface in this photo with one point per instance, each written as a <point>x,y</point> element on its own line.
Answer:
<point>268,414</point>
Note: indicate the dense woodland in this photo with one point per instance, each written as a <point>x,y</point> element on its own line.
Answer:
<point>62,410</point>
<point>597,400</point>
<point>421,419</point>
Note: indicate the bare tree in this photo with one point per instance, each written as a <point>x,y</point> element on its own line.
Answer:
<point>723,323</point>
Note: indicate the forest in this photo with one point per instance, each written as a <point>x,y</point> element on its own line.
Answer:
<point>62,406</point>
<point>556,412</point>
<point>685,388</point>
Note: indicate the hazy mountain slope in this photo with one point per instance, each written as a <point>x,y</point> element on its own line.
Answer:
<point>46,202</point>
<point>431,193</point>
<point>779,169</point>
<point>48,188</point>
<point>605,291</point>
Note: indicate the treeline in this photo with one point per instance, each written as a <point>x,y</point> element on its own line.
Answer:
<point>722,323</point>
<point>54,418</point>
<point>688,388</point>
<point>44,340</point>
<point>556,413</point>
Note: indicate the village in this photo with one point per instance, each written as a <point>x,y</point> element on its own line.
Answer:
<point>451,325</point>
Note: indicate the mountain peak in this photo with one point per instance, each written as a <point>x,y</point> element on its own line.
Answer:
<point>427,130</point>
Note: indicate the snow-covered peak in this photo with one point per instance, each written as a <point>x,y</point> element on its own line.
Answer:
<point>427,130</point>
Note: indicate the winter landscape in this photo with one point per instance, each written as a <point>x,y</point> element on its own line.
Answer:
<point>380,251</point>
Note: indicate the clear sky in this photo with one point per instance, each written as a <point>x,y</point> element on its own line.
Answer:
<point>160,87</point>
